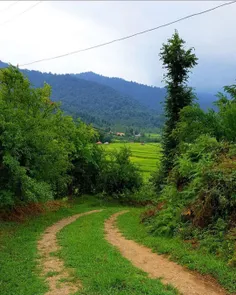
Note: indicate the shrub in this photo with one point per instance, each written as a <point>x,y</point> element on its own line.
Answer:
<point>145,195</point>
<point>120,175</point>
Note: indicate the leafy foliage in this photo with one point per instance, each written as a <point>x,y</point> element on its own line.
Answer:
<point>177,61</point>
<point>120,174</point>
<point>33,163</point>
<point>45,154</point>
<point>200,190</point>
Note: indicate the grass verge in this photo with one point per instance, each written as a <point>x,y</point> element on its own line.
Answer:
<point>181,252</point>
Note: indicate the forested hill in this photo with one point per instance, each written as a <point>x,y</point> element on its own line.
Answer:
<point>105,101</point>
<point>146,95</point>
<point>94,103</point>
<point>150,96</point>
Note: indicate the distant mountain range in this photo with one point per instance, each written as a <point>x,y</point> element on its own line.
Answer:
<point>105,101</point>
<point>150,96</point>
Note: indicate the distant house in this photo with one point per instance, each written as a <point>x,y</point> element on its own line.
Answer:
<point>120,134</point>
<point>137,135</point>
<point>99,142</point>
<point>106,142</point>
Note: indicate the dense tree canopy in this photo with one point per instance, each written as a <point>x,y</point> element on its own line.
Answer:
<point>45,154</point>
<point>150,96</point>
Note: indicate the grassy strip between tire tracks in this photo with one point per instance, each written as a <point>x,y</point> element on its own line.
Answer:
<point>100,267</point>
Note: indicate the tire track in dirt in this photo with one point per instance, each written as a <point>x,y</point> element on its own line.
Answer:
<point>157,266</point>
<point>57,276</point>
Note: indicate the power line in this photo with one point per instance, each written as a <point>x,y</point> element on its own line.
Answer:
<point>130,36</point>
<point>19,14</point>
<point>9,6</point>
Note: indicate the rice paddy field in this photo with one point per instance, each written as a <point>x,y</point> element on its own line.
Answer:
<point>153,135</point>
<point>146,156</point>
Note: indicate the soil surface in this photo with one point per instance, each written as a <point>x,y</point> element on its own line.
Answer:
<point>158,266</point>
<point>57,276</point>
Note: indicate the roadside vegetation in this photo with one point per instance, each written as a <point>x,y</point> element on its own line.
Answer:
<point>199,196</point>
<point>195,186</point>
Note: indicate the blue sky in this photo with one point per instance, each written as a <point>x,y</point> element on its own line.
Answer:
<point>53,28</point>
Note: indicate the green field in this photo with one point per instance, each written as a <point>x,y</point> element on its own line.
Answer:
<point>153,135</point>
<point>146,156</point>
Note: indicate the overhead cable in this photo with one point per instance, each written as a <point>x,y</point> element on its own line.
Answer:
<point>19,14</point>
<point>9,6</point>
<point>131,36</point>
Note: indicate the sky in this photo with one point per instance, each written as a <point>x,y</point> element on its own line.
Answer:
<point>57,27</point>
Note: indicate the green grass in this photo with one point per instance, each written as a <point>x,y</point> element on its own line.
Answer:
<point>18,251</point>
<point>180,251</point>
<point>100,267</point>
<point>146,156</point>
<point>18,254</point>
<point>153,135</point>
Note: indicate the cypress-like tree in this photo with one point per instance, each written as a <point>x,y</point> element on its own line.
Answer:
<point>177,61</point>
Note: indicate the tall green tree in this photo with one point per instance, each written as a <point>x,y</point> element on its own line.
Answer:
<point>177,61</point>
<point>44,154</point>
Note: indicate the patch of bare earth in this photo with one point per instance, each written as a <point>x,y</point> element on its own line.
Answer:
<point>158,266</point>
<point>57,276</point>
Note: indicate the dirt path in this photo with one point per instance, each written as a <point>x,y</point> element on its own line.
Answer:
<point>58,277</point>
<point>157,266</point>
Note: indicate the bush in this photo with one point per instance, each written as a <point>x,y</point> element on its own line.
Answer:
<point>145,195</point>
<point>120,175</point>
<point>157,178</point>
<point>87,171</point>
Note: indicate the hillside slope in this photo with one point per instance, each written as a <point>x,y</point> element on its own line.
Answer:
<point>151,97</point>
<point>93,102</point>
